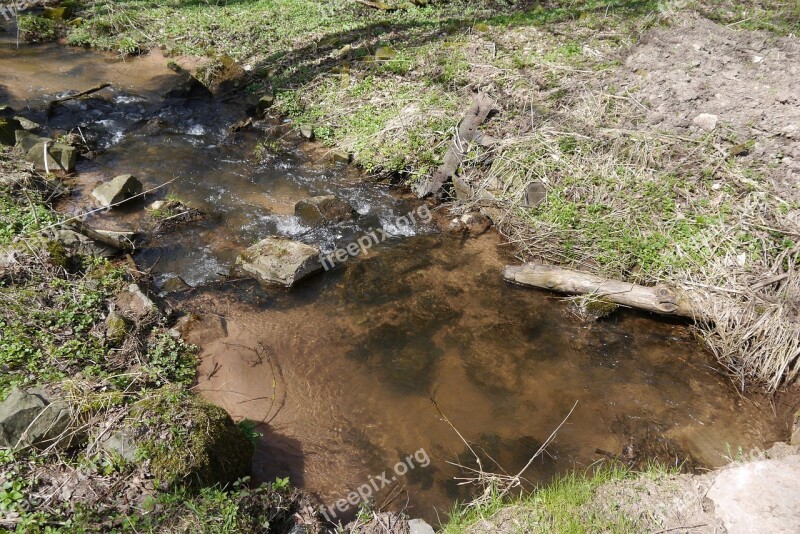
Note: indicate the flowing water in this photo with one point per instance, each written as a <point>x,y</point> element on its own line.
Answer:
<point>399,350</point>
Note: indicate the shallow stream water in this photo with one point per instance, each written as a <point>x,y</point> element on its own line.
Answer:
<point>396,352</point>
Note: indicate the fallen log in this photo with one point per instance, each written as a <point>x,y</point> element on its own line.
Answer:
<point>660,299</point>
<point>474,117</point>
<point>67,98</point>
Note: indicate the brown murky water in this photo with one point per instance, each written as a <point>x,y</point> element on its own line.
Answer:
<point>341,371</point>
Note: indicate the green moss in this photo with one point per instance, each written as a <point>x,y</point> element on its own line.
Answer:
<point>193,441</point>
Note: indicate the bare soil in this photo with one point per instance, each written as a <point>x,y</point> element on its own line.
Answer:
<point>747,79</point>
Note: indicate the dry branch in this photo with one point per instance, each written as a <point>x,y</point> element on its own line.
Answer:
<point>67,98</point>
<point>465,134</point>
<point>659,299</point>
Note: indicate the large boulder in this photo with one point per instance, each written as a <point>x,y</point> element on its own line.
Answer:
<point>188,440</point>
<point>117,190</point>
<point>8,127</point>
<point>33,419</point>
<point>280,261</point>
<point>324,208</point>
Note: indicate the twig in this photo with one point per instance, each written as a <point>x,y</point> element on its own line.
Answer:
<point>63,99</point>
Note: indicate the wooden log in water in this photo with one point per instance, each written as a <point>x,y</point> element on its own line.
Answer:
<point>660,299</point>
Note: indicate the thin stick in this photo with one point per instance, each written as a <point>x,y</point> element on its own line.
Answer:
<point>65,221</point>
<point>63,99</point>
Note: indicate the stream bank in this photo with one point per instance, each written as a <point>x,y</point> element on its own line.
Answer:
<point>370,313</point>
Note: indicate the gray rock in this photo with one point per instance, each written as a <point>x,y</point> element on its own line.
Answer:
<point>535,194</point>
<point>33,419</point>
<point>134,304</point>
<point>58,156</point>
<point>27,140</point>
<point>758,496</point>
<point>307,131</point>
<point>418,526</point>
<point>324,208</point>
<point>281,261</point>
<point>8,127</point>
<point>117,190</point>
<point>27,125</point>
<point>122,442</point>
<point>78,244</point>
<point>706,121</point>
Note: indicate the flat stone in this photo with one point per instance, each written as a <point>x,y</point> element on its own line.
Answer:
<point>280,261</point>
<point>78,244</point>
<point>340,156</point>
<point>706,121</point>
<point>759,496</point>
<point>172,283</point>
<point>324,208</point>
<point>419,526</point>
<point>117,190</point>
<point>121,442</point>
<point>27,125</point>
<point>535,194</point>
<point>307,131</point>
<point>25,140</point>
<point>32,419</point>
<point>59,157</point>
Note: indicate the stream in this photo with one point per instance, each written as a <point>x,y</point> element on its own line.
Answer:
<point>391,353</point>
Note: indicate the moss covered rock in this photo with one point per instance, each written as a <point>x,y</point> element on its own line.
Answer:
<point>189,440</point>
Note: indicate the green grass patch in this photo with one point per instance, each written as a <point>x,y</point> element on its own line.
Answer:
<point>564,505</point>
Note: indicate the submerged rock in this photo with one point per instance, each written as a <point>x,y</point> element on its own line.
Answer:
<point>33,419</point>
<point>324,208</point>
<point>117,190</point>
<point>475,222</point>
<point>281,261</point>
